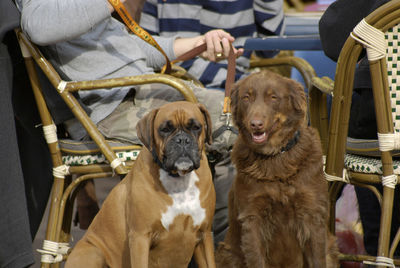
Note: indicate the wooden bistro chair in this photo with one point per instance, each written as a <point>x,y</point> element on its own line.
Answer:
<point>98,158</point>
<point>371,162</point>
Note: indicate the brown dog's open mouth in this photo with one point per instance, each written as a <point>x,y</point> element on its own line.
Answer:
<point>259,137</point>
<point>262,136</point>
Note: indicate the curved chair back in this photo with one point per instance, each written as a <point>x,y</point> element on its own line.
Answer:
<point>378,33</point>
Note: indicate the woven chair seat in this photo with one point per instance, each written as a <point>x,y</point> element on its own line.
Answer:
<point>370,165</point>
<point>81,153</point>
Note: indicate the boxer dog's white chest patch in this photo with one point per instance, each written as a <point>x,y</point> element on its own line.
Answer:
<point>185,196</point>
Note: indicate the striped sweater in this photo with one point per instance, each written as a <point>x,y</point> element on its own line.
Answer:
<point>241,18</point>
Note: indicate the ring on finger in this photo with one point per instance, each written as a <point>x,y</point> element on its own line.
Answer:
<point>218,55</point>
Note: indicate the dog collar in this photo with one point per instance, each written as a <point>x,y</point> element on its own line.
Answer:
<point>160,164</point>
<point>291,142</point>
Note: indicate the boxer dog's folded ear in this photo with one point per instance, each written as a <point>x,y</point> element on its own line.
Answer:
<point>145,129</point>
<point>207,117</point>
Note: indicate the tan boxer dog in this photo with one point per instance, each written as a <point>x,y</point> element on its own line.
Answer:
<point>161,213</point>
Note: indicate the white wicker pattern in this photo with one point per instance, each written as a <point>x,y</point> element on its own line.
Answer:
<point>81,160</point>
<point>393,68</point>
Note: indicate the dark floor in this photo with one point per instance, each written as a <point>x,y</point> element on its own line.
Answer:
<point>103,187</point>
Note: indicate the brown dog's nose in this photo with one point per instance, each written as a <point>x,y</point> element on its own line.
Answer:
<point>256,124</point>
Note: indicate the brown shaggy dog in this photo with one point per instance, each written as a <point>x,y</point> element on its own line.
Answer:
<point>278,203</point>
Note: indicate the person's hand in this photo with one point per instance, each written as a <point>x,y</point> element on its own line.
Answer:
<point>218,45</point>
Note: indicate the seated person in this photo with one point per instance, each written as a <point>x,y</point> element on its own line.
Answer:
<point>84,42</point>
<point>241,18</point>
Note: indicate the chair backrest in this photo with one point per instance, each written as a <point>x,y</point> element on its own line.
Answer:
<point>393,68</point>
<point>377,33</point>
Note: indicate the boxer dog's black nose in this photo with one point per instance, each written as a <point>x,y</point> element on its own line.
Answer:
<point>183,139</point>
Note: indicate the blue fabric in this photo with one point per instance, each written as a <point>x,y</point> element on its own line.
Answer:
<point>284,43</point>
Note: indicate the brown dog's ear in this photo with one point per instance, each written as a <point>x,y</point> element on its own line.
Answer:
<point>145,129</point>
<point>207,118</point>
<point>298,97</point>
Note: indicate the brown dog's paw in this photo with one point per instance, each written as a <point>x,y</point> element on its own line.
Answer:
<point>224,257</point>
<point>332,258</point>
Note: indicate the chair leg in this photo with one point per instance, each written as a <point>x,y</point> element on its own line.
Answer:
<point>335,189</point>
<point>65,232</point>
<point>386,220</point>
<point>51,230</point>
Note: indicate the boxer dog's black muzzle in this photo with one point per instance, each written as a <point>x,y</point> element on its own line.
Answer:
<point>181,153</point>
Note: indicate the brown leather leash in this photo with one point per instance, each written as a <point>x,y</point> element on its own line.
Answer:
<point>143,34</point>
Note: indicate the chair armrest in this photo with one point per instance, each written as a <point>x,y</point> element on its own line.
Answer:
<point>324,84</point>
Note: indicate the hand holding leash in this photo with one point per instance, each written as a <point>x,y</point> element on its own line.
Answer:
<point>218,45</point>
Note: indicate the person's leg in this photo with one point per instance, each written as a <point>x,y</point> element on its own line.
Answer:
<point>370,213</point>
<point>223,178</point>
<point>87,205</point>
<point>370,217</point>
<point>121,123</point>
<point>15,236</point>
<point>220,159</point>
